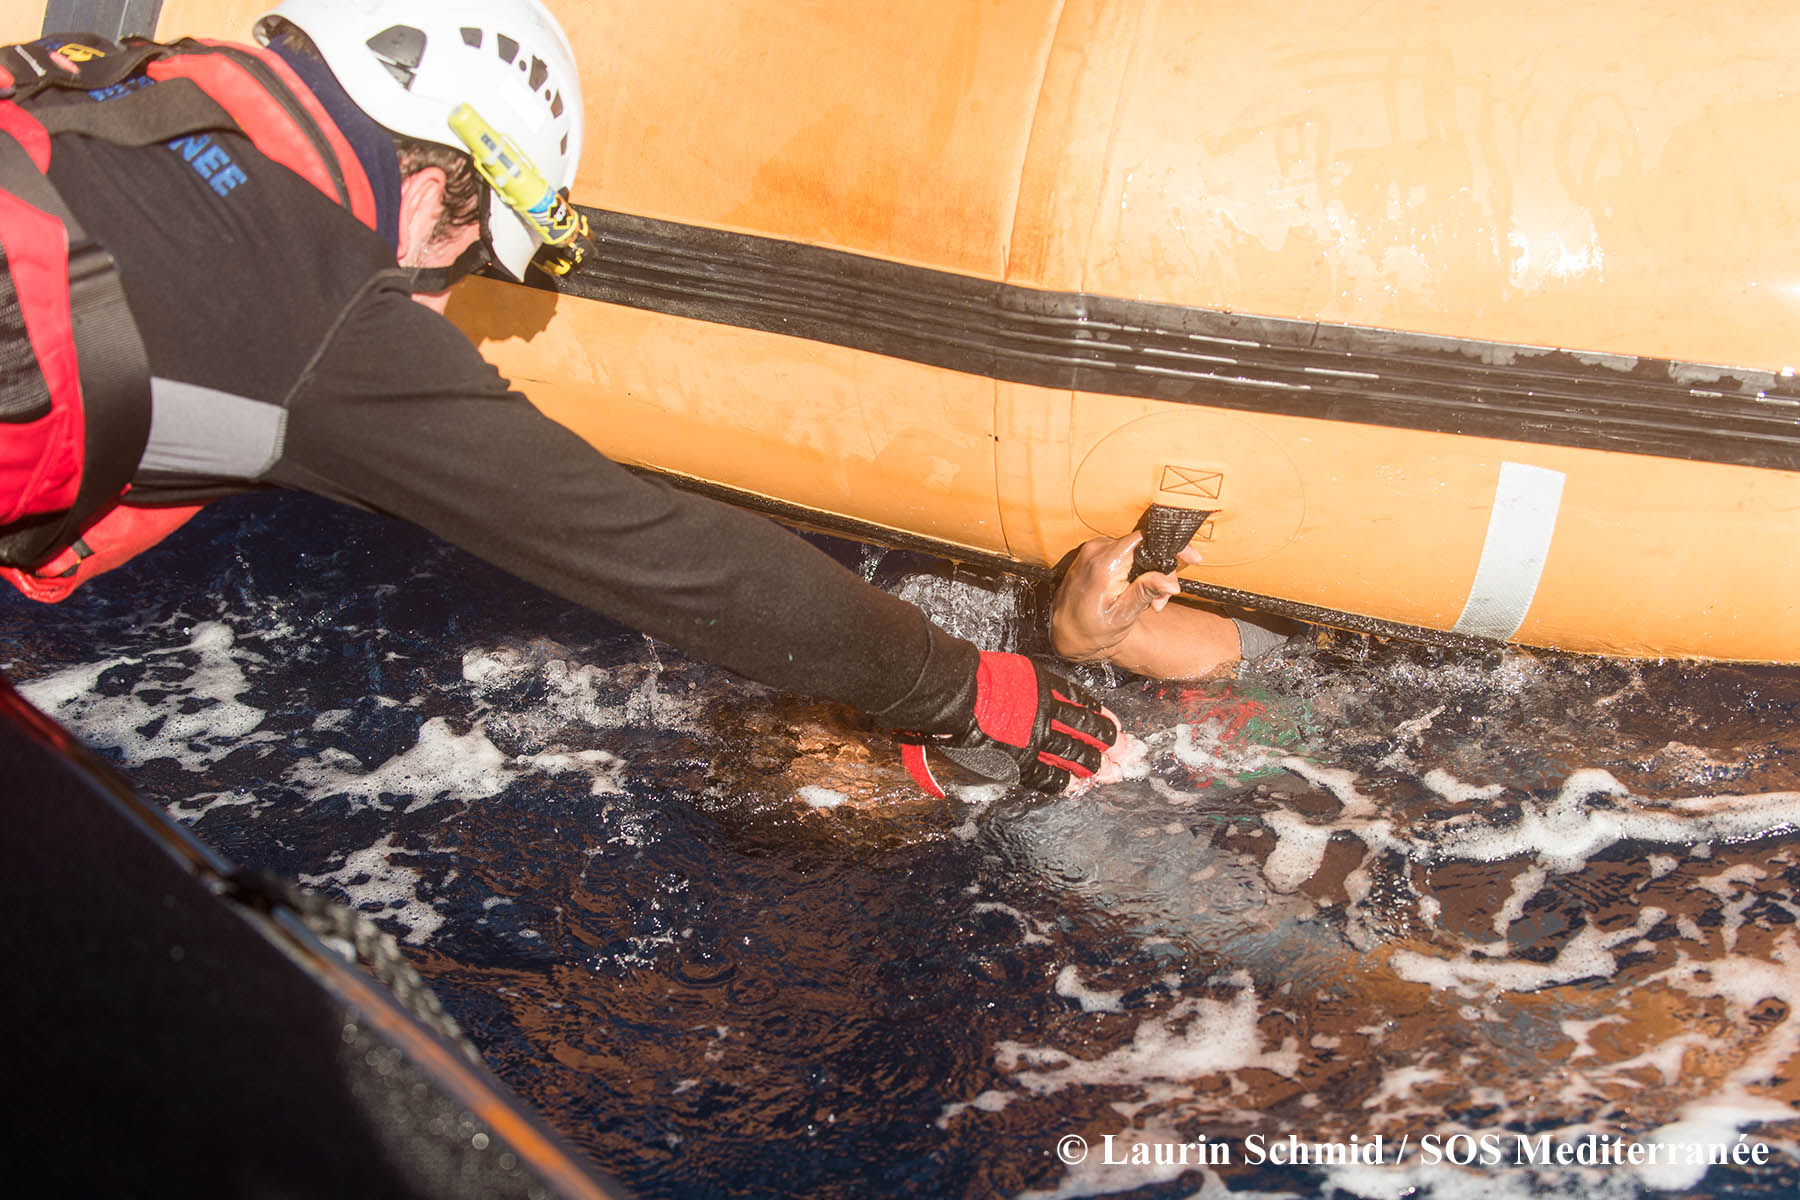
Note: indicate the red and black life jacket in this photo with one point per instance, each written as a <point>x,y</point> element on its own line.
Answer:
<point>74,381</point>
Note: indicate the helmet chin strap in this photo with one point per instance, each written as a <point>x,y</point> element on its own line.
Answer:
<point>431,280</point>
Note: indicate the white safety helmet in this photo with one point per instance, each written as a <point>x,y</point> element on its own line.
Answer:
<point>412,64</point>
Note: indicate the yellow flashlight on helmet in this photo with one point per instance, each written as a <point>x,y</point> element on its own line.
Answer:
<point>509,171</point>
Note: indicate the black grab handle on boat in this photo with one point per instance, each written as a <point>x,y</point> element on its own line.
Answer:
<point>1166,531</point>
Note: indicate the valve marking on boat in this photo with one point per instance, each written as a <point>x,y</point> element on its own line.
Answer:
<point>1207,483</point>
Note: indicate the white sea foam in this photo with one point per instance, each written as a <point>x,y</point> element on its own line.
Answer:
<point>1592,812</point>
<point>1299,849</point>
<point>569,700</point>
<point>191,808</point>
<point>1525,887</point>
<point>440,764</point>
<point>1736,887</point>
<point>1198,1037</point>
<point>1442,1181</point>
<point>821,797</point>
<point>1339,783</point>
<point>1667,1058</point>
<point>59,693</point>
<point>1732,881</point>
<point>1406,736</point>
<point>1068,983</point>
<point>1566,833</point>
<point>988,1101</point>
<point>331,719</point>
<point>1208,749</point>
<point>573,693</point>
<point>1300,844</point>
<point>603,767</point>
<point>1579,1031</point>
<point>1400,1084</point>
<point>1710,1122</point>
<point>186,707</point>
<point>1585,955</point>
<point>1458,792</point>
<point>375,884</point>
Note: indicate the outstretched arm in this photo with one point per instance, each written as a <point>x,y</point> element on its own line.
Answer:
<point>402,416</point>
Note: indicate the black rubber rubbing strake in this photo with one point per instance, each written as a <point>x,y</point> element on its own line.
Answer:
<point>1082,342</point>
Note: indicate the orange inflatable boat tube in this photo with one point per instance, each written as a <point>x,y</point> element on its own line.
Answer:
<point>1462,323</point>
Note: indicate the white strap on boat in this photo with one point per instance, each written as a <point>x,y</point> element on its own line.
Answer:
<point>1523,521</point>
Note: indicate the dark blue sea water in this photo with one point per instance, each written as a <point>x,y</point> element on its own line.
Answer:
<point>1485,907</point>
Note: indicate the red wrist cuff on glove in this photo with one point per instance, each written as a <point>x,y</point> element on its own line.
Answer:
<point>1006,698</point>
<point>912,756</point>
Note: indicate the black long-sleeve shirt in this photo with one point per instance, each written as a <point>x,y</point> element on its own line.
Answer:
<point>287,352</point>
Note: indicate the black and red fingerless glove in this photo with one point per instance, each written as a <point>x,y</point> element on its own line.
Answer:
<point>1026,724</point>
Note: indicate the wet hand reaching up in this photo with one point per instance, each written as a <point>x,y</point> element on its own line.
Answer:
<point>1101,613</point>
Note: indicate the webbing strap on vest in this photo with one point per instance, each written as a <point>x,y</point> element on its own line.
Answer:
<point>31,69</point>
<point>111,363</point>
<point>144,117</point>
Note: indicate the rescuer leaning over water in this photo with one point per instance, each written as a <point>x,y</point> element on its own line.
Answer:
<point>294,338</point>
